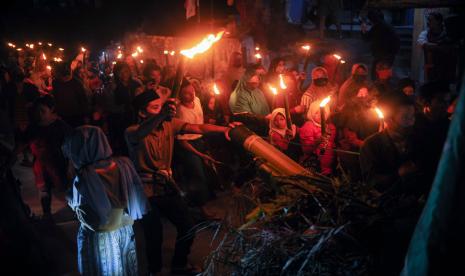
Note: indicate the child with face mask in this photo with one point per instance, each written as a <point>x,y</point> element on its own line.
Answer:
<point>317,149</point>
<point>318,90</point>
<point>279,134</point>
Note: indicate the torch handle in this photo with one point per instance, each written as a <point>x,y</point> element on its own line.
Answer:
<point>323,121</point>
<point>286,108</point>
<point>179,77</point>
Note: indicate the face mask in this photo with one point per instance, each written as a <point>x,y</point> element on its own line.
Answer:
<point>320,81</point>
<point>360,78</point>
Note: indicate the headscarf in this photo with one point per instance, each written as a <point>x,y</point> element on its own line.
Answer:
<point>88,148</point>
<point>319,92</point>
<point>350,87</point>
<point>273,128</point>
<point>261,108</point>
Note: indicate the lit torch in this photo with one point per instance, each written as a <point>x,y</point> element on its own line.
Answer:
<point>283,86</point>
<point>11,45</point>
<point>139,49</point>
<point>44,57</point>
<point>258,57</point>
<point>323,104</point>
<point>200,48</point>
<point>381,118</point>
<point>215,89</point>
<point>274,91</point>
<point>84,52</point>
<point>306,48</point>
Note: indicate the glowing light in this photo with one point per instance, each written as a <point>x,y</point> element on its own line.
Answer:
<point>44,56</point>
<point>379,112</point>
<point>257,48</point>
<point>49,68</point>
<point>27,45</point>
<point>338,57</point>
<point>119,47</point>
<point>19,49</point>
<point>215,89</point>
<point>282,84</point>
<point>203,46</point>
<point>57,59</point>
<point>172,53</point>
<point>325,101</point>
<point>40,43</point>
<point>50,44</point>
<point>258,56</point>
<point>166,52</point>
<point>61,49</point>
<point>11,45</point>
<point>273,89</point>
<point>306,47</point>
<point>31,46</point>
<point>120,55</point>
<point>114,62</point>
<point>135,54</point>
<point>141,61</point>
<point>343,61</point>
<point>83,49</point>
<point>139,49</point>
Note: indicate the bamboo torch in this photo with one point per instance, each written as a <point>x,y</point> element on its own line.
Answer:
<point>306,48</point>
<point>283,86</point>
<point>323,104</point>
<point>202,47</point>
<point>381,119</point>
<point>274,91</point>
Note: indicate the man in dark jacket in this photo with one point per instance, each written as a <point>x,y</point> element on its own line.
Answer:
<point>385,43</point>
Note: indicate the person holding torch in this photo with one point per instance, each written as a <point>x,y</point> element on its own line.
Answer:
<point>150,143</point>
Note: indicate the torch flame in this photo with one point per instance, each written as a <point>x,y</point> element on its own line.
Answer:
<point>379,112</point>
<point>120,55</point>
<point>203,46</point>
<point>135,54</point>
<point>257,48</point>
<point>57,59</point>
<point>165,52</point>
<point>11,45</point>
<point>306,47</point>
<point>338,57</point>
<point>172,53</point>
<point>31,46</point>
<point>343,61</point>
<point>258,56</point>
<point>325,101</point>
<point>50,44</point>
<point>40,43</point>
<point>282,84</point>
<point>19,49</point>
<point>273,90</point>
<point>44,56</point>
<point>139,49</point>
<point>49,67</point>
<point>215,89</point>
<point>61,49</point>
<point>141,61</point>
<point>27,45</point>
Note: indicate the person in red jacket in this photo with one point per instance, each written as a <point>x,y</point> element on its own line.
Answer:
<point>315,147</point>
<point>280,135</point>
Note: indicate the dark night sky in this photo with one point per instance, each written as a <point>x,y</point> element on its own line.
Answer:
<point>27,20</point>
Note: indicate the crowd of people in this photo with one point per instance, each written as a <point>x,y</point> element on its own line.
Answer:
<point>119,129</point>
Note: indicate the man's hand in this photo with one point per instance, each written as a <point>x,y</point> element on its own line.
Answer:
<point>168,110</point>
<point>231,126</point>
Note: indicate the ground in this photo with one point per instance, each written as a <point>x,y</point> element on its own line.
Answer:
<point>61,240</point>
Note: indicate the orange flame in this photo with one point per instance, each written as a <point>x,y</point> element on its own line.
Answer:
<point>61,49</point>
<point>203,46</point>
<point>343,61</point>
<point>40,43</point>
<point>141,61</point>
<point>258,56</point>
<point>120,55</point>
<point>135,54</point>
<point>139,49</point>
<point>172,53</point>
<point>338,57</point>
<point>215,89</point>
<point>165,52</point>
<point>379,112</point>
<point>19,49</point>
<point>49,67</point>
<point>44,56</point>
<point>57,59</point>
<point>83,49</point>
<point>50,44</point>
<point>273,90</point>
<point>306,47</point>
<point>325,101</point>
<point>31,46</point>
<point>282,84</point>
<point>257,48</point>
<point>11,45</point>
